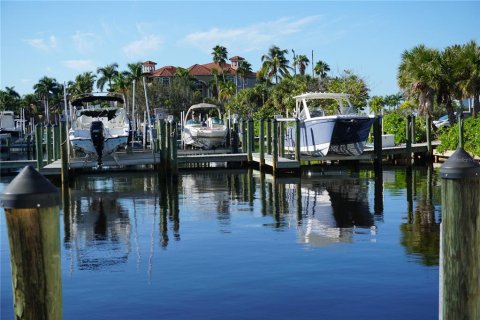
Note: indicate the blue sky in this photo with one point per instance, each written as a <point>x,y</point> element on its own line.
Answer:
<point>65,38</point>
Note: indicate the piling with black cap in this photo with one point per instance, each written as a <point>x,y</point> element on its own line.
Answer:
<point>31,205</point>
<point>460,238</point>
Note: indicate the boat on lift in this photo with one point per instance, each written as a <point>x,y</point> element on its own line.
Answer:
<point>100,125</point>
<point>203,127</point>
<point>329,124</point>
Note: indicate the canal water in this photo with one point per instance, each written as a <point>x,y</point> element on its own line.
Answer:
<point>237,244</point>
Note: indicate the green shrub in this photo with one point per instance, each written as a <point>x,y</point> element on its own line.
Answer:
<point>396,123</point>
<point>471,137</point>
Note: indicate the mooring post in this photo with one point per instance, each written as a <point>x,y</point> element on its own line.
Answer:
<point>173,149</point>
<point>377,144</point>
<point>408,144</point>
<point>163,143</point>
<point>269,136</point>
<point>39,145</point>
<point>48,142</point>
<point>64,151</point>
<point>428,126</point>
<point>244,136</point>
<point>261,142</point>
<point>56,142</point>
<point>460,238</point>
<point>250,139</point>
<point>228,137</point>
<point>413,130</point>
<point>281,139</point>
<point>297,139</point>
<point>234,137</point>
<point>168,149</point>
<point>31,205</point>
<point>275,146</point>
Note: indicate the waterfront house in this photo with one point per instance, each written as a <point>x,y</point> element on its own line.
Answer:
<point>204,74</point>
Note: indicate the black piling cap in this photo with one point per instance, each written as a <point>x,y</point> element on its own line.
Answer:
<point>460,165</point>
<point>29,189</point>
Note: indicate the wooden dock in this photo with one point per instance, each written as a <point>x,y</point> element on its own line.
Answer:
<point>142,159</point>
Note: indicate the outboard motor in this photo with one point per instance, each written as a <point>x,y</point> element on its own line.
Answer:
<point>96,134</point>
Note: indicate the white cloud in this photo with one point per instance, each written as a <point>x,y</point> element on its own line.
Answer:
<point>85,42</point>
<point>80,65</point>
<point>143,48</point>
<point>248,38</point>
<point>44,44</point>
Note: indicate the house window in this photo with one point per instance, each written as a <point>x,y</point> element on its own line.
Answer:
<point>165,81</point>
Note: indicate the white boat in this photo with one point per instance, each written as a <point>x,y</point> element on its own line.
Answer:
<point>343,132</point>
<point>9,125</point>
<point>203,127</point>
<point>100,125</point>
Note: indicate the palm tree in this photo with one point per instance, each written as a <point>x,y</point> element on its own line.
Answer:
<point>134,74</point>
<point>470,82</point>
<point>418,75</point>
<point>220,54</point>
<point>10,99</point>
<point>121,83</point>
<point>275,64</point>
<point>244,68</point>
<point>302,62</point>
<point>45,88</point>
<point>321,69</point>
<point>107,73</point>
<point>227,91</point>
<point>83,83</point>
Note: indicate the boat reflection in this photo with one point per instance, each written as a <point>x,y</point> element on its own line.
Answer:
<point>100,230</point>
<point>334,210</point>
<point>105,218</point>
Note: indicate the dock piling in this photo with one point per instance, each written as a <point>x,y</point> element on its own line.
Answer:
<point>460,238</point>
<point>31,205</point>
<point>39,145</point>
<point>261,143</point>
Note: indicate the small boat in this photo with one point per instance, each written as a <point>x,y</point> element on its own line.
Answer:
<point>342,132</point>
<point>203,127</point>
<point>100,125</point>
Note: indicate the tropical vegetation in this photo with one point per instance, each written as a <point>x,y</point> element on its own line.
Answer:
<point>432,82</point>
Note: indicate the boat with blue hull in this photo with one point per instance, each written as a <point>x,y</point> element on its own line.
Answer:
<point>344,132</point>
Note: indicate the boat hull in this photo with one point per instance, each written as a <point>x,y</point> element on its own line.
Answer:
<point>350,135</point>
<point>110,145</point>
<point>344,135</point>
<point>204,137</point>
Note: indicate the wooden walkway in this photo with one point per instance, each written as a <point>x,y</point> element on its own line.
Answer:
<point>144,158</point>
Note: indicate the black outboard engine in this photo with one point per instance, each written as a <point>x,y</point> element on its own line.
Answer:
<point>96,134</point>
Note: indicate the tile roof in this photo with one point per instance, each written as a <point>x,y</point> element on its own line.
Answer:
<point>198,69</point>
<point>236,58</point>
<point>167,71</point>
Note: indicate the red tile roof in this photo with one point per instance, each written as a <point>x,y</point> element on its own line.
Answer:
<point>198,69</point>
<point>167,71</point>
<point>236,58</point>
<point>146,63</point>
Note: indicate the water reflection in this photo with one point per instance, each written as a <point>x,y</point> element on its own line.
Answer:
<point>421,232</point>
<point>102,211</point>
<point>334,209</point>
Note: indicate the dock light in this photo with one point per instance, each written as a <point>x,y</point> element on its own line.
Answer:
<point>170,118</point>
<point>235,118</point>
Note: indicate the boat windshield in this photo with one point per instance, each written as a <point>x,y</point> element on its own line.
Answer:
<point>193,121</point>
<point>216,120</point>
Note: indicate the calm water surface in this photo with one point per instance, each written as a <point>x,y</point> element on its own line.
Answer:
<point>235,244</point>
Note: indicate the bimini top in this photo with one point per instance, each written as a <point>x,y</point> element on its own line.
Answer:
<point>203,106</point>
<point>98,96</point>
<point>322,95</point>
